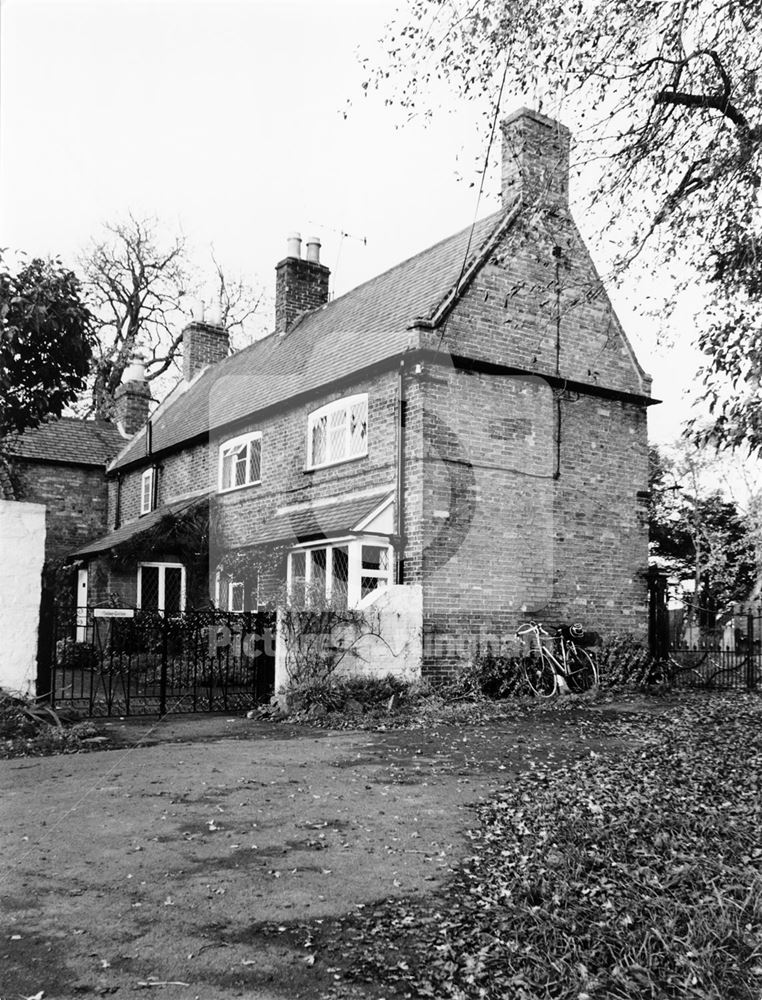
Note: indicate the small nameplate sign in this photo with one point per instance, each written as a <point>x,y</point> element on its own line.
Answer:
<point>114,612</point>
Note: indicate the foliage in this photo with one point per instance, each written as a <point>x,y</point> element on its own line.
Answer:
<point>664,99</point>
<point>186,533</point>
<point>45,343</point>
<point>142,289</point>
<point>28,729</point>
<point>619,874</point>
<point>624,661</point>
<point>350,694</point>
<point>488,675</point>
<point>319,636</point>
<point>700,535</point>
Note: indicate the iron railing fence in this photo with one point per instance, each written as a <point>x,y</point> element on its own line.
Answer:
<point>723,658</point>
<point>113,661</point>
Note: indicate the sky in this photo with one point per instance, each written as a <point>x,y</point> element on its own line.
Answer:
<point>237,122</point>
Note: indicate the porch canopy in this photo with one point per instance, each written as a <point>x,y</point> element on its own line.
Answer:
<point>328,518</point>
<point>132,529</point>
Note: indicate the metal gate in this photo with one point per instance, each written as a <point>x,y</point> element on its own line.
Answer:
<point>721,658</point>
<point>115,661</point>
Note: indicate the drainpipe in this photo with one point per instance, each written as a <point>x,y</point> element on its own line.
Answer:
<point>400,494</point>
<point>118,502</point>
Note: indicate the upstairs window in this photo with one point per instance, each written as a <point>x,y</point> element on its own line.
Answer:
<point>240,462</point>
<point>147,491</point>
<point>338,432</point>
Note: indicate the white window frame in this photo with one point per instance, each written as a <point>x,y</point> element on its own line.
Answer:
<point>233,444</point>
<point>354,546</point>
<point>162,567</point>
<point>147,481</point>
<point>326,412</point>
<point>230,585</point>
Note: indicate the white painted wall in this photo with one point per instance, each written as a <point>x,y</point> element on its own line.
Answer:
<point>22,553</point>
<point>399,650</point>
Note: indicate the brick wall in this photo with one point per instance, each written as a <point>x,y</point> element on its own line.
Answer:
<point>527,301</point>
<point>513,529</point>
<point>300,285</point>
<point>203,344</point>
<point>75,501</point>
<point>285,481</point>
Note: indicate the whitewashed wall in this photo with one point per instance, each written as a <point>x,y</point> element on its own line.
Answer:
<point>22,552</point>
<point>398,614</point>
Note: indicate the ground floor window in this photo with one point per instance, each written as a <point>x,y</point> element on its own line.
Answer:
<point>234,593</point>
<point>345,573</point>
<point>161,587</point>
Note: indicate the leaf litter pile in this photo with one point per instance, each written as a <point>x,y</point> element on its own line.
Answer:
<point>628,874</point>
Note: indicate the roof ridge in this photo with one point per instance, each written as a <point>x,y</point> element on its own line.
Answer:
<point>351,291</point>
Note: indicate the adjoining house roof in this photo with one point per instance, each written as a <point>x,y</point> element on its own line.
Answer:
<point>364,327</point>
<point>70,441</point>
<point>132,529</point>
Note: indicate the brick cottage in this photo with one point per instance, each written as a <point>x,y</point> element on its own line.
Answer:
<point>61,464</point>
<point>459,443</point>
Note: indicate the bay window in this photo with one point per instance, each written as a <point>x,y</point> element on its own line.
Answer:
<point>343,574</point>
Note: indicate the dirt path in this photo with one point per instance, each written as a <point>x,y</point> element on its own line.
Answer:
<point>209,865</point>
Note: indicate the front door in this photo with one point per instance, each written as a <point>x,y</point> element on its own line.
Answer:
<point>81,605</point>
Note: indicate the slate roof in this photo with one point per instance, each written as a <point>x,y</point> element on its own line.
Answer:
<point>70,441</point>
<point>126,532</point>
<point>367,325</point>
<point>325,521</point>
<point>308,524</point>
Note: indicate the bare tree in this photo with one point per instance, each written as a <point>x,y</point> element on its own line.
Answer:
<point>143,289</point>
<point>137,286</point>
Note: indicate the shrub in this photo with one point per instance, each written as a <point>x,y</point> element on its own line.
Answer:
<point>337,695</point>
<point>625,661</point>
<point>488,675</point>
<point>76,655</point>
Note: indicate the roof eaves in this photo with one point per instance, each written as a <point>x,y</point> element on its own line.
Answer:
<point>296,398</point>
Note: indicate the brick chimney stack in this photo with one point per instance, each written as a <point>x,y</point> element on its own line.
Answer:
<point>203,344</point>
<point>132,398</point>
<point>535,159</point>
<point>301,284</point>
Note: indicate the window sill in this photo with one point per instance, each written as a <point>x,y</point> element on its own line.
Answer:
<point>237,489</point>
<point>332,465</point>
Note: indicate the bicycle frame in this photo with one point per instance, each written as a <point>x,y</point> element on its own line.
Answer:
<point>564,675</point>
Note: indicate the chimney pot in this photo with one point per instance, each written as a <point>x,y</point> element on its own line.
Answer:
<point>313,249</point>
<point>132,398</point>
<point>301,284</point>
<point>294,245</point>
<point>135,370</point>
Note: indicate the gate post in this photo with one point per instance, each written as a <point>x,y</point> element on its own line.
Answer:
<point>46,644</point>
<point>163,677</point>
<point>658,615</point>
<point>750,672</point>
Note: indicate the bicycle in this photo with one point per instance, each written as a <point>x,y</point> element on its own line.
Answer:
<point>570,667</point>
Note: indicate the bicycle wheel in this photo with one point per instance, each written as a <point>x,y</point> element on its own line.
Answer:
<point>540,675</point>
<point>582,671</point>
